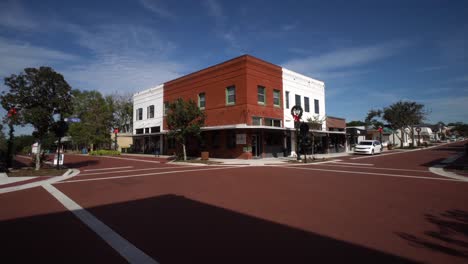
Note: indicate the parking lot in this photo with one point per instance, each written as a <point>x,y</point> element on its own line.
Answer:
<point>386,208</point>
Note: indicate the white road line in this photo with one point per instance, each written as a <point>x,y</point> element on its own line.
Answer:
<point>381,174</point>
<point>381,155</point>
<point>372,168</point>
<point>145,169</point>
<point>126,249</point>
<point>147,174</point>
<point>349,163</point>
<point>67,175</point>
<point>142,160</point>
<point>113,168</point>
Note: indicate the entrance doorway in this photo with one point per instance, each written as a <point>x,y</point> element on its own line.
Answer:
<point>255,146</point>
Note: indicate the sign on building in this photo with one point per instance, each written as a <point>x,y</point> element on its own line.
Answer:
<point>241,139</point>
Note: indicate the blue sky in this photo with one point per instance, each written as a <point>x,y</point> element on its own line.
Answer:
<point>369,53</point>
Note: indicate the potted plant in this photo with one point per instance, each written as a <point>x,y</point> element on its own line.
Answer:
<point>205,155</point>
<point>389,146</point>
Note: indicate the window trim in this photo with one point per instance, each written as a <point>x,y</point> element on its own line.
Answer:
<point>233,87</point>
<point>263,89</point>
<point>278,92</point>
<point>259,118</point>
<point>204,100</point>
<point>316,106</point>
<point>286,94</point>
<point>300,99</point>
<point>139,114</point>
<point>148,112</point>
<point>306,104</point>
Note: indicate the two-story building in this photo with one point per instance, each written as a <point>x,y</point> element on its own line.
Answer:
<point>247,102</point>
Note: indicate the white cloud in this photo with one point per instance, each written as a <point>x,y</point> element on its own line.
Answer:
<point>157,7</point>
<point>344,58</point>
<point>447,109</point>
<point>13,15</point>
<point>125,58</point>
<point>215,10</point>
<point>18,55</point>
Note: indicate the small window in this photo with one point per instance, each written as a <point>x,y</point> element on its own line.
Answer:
<point>155,129</point>
<point>298,100</point>
<point>139,131</point>
<point>276,98</point>
<point>306,105</point>
<point>150,111</point>
<point>139,114</point>
<point>316,104</point>
<point>166,107</point>
<point>147,130</point>
<point>261,95</point>
<point>201,100</point>
<point>287,99</point>
<point>215,139</point>
<point>272,122</point>
<point>231,139</point>
<point>256,121</point>
<point>231,95</point>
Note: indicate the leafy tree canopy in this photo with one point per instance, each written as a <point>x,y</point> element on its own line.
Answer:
<point>184,119</point>
<point>355,123</point>
<point>37,93</point>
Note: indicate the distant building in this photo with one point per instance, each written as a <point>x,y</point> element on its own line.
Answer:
<point>248,104</point>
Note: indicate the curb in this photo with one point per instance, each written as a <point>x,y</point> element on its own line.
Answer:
<point>439,169</point>
<point>67,175</point>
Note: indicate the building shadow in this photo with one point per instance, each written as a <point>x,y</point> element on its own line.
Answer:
<point>450,235</point>
<point>174,229</point>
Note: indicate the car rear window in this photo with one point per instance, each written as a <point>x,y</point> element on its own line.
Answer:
<point>365,143</point>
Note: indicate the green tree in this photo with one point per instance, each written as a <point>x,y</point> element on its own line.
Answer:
<point>96,119</point>
<point>122,109</point>
<point>403,114</point>
<point>39,93</point>
<point>460,129</point>
<point>355,123</point>
<point>184,119</point>
<point>373,119</point>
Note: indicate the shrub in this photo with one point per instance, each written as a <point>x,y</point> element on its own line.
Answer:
<point>104,152</point>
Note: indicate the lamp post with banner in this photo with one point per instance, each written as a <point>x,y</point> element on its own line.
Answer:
<point>116,131</point>
<point>418,129</point>
<point>296,112</point>
<point>380,129</point>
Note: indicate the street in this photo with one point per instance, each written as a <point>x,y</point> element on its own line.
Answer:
<point>386,208</point>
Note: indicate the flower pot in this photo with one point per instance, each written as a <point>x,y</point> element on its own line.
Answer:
<point>205,155</point>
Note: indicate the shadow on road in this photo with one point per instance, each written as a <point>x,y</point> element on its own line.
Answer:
<point>450,236</point>
<point>174,229</point>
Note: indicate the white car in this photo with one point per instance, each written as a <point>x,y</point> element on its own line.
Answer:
<point>370,147</point>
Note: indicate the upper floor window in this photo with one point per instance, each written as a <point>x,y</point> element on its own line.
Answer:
<point>276,98</point>
<point>256,121</point>
<point>139,114</point>
<point>272,122</point>
<point>261,95</point>
<point>150,111</point>
<point>201,100</point>
<point>166,108</point>
<point>231,95</point>
<point>287,99</point>
<point>306,104</point>
<point>316,104</point>
<point>298,100</point>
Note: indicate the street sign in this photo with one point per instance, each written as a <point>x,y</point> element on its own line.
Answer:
<point>72,120</point>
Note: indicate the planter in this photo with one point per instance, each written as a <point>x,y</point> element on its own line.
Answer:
<point>390,147</point>
<point>205,155</point>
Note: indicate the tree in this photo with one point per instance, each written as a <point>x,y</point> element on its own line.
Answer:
<point>460,129</point>
<point>355,123</point>
<point>372,119</point>
<point>403,114</point>
<point>96,119</point>
<point>122,109</point>
<point>39,94</point>
<point>184,119</point>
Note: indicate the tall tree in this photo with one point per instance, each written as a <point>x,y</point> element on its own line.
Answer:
<point>373,119</point>
<point>404,114</point>
<point>38,94</point>
<point>96,119</point>
<point>184,119</point>
<point>122,109</point>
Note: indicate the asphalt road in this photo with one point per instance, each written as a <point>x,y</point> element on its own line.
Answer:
<point>379,209</point>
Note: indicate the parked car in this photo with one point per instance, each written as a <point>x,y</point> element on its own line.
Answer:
<point>385,144</point>
<point>370,147</point>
